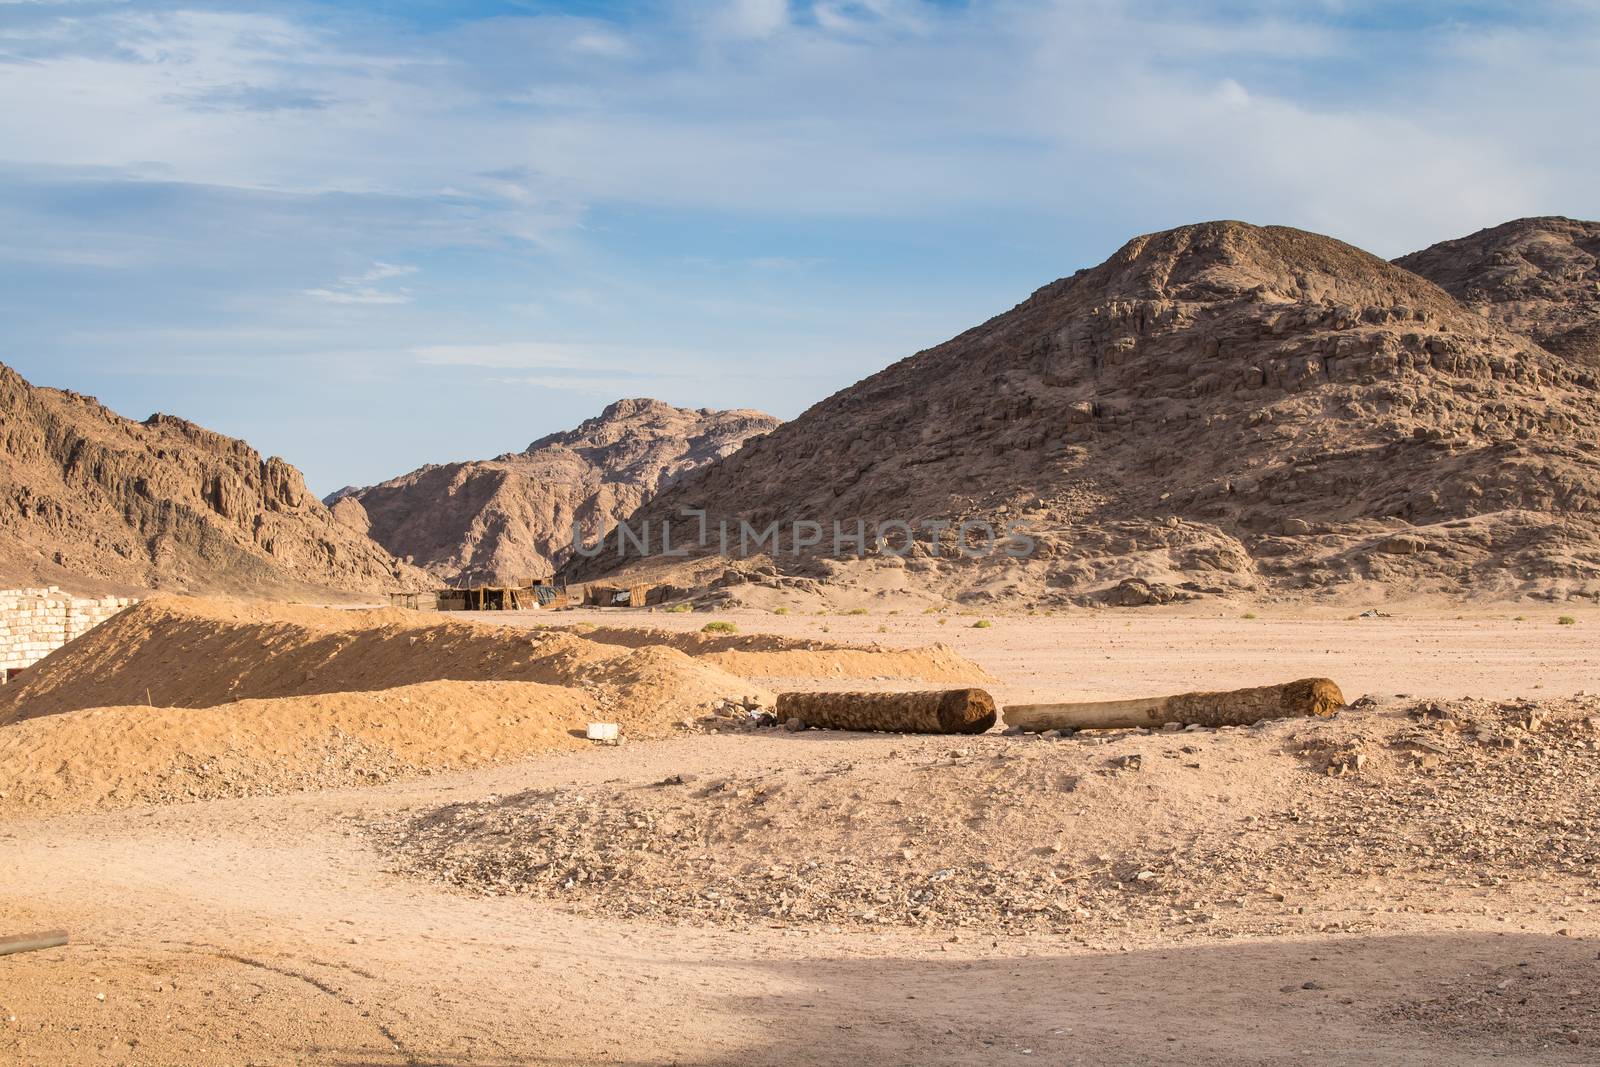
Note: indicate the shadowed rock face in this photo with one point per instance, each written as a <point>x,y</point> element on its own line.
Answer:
<point>87,496</point>
<point>1538,276</point>
<point>511,517</point>
<point>1224,404</point>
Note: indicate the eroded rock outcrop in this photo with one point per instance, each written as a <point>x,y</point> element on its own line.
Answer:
<point>89,497</point>
<point>511,518</point>
<point>1216,406</point>
<point>1538,276</point>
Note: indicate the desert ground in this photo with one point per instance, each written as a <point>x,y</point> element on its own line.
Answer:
<point>1211,896</point>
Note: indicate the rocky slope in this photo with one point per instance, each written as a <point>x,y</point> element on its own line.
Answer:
<point>88,498</point>
<point>511,518</point>
<point>1538,276</point>
<point>1222,406</point>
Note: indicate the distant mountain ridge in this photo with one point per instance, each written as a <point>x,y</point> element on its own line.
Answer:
<point>511,517</point>
<point>92,498</point>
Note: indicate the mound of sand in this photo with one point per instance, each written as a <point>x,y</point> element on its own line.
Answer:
<point>182,698</point>
<point>1218,831</point>
<point>126,755</point>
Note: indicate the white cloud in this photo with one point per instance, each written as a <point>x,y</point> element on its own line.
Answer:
<point>866,17</point>
<point>783,263</point>
<point>586,366</point>
<point>607,385</point>
<point>752,18</point>
<point>379,272</point>
<point>507,354</point>
<point>599,43</point>
<point>359,288</point>
<point>363,295</point>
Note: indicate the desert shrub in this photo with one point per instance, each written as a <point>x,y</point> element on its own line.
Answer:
<point>719,628</point>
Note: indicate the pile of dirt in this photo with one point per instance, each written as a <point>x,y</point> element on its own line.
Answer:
<point>1539,276</point>
<point>113,756</point>
<point>89,499</point>
<point>1214,832</point>
<point>179,698</point>
<point>511,518</point>
<point>1220,408</point>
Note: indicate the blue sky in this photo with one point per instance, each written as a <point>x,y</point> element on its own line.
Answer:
<point>369,236</point>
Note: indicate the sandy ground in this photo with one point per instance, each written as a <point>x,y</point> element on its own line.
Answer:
<point>1112,654</point>
<point>272,931</point>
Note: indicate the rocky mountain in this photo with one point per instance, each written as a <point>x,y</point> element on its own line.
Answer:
<point>511,518</point>
<point>89,498</point>
<point>1218,407</point>
<point>1538,276</point>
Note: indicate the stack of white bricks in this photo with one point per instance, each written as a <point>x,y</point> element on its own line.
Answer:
<point>36,622</point>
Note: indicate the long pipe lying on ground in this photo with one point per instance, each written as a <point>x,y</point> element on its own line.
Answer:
<point>1240,707</point>
<point>32,942</point>
<point>947,711</point>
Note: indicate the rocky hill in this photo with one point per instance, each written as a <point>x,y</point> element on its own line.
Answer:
<point>511,518</point>
<point>91,499</point>
<point>1219,407</point>
<point>1538,276</point>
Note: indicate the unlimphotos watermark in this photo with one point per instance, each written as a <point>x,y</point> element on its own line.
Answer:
<point>693,533</point>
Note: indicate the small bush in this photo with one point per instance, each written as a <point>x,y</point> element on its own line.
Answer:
<point>1249,614</point>
<point>856,611</point>
<point>780,610</point>
<point>982,624</point>
<point>1566,620</point>
<point>719,628</point>
<point>679,609</point>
